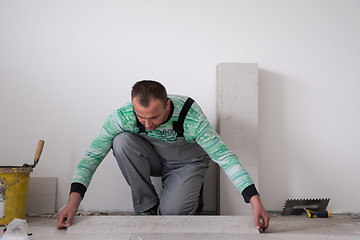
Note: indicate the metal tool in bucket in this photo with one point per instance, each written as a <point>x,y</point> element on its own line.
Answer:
<point>14,184</point>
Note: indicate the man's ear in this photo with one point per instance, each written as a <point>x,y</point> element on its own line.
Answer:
<point>167,104</point>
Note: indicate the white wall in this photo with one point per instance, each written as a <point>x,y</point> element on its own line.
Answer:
<point>66,65</point>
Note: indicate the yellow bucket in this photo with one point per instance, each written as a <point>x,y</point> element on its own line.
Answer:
<point>14,185</point>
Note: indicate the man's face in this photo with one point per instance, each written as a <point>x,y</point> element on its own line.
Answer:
<point>153,115</point>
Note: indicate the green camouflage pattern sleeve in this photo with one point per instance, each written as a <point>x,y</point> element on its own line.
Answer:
<point>197,128</point>
<point>121,120</point>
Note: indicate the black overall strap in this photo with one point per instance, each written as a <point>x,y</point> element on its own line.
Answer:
<point>178,125</point>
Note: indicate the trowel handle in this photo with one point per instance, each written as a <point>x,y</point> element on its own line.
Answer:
<point>38,151</point>
<point>313,214</point>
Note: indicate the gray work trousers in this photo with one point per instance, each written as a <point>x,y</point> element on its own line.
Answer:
<point>181,166</point>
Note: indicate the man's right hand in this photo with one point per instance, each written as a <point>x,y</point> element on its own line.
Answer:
<point>67,214</point>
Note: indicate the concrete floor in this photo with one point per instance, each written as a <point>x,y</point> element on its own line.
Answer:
<point>195,227</point>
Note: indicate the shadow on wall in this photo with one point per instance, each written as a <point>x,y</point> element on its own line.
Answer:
<point>274,179</point>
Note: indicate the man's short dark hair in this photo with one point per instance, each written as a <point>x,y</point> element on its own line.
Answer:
<point>147,90</point>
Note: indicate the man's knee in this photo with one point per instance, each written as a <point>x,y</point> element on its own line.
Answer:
<point>122,138</point>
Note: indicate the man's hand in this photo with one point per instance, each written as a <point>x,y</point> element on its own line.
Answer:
<point>67,214</point>
<point>261,216</point>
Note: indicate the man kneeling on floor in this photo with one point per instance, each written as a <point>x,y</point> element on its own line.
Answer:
<point>167,136</point>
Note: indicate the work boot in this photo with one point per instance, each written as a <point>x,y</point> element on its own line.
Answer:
<point>151,211</point>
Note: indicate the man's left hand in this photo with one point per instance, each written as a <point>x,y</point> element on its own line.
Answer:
<point>261,216</point>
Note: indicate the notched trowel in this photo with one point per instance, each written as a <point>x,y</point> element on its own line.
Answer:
<point>313,207</point>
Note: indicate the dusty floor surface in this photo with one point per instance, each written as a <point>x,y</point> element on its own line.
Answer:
<point>195,227</point>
